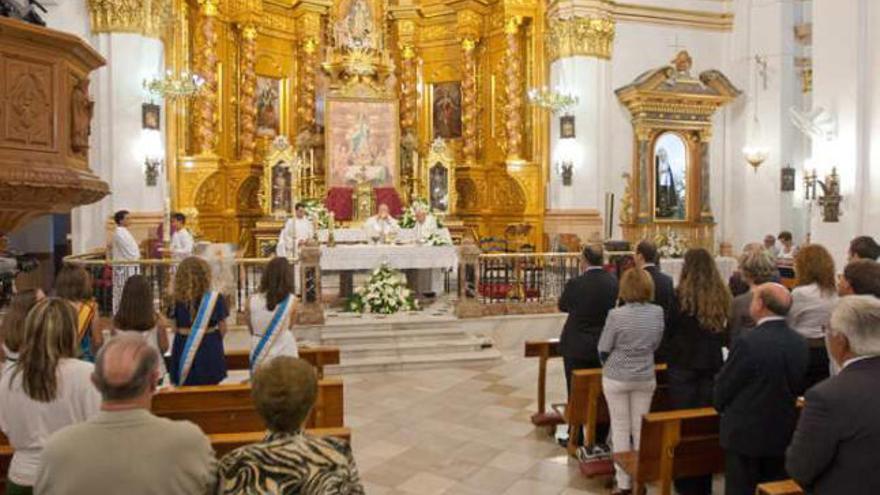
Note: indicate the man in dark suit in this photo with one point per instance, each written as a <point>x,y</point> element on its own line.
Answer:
<point>648,259</point>
<point>756,393</point>
<point>834,448</point>
<point>587,299</point>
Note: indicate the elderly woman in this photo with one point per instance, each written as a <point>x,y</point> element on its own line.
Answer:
<point>288,460</point>
<point>756,267</point>
<point>631,335</point>
<point>46,389</point>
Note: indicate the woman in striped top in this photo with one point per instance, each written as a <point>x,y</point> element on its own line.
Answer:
<point>631,335</point>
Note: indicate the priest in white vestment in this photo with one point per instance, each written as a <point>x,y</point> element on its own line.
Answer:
<point>381,226</point>
<point>296,232</point>
<point>182,242</point>
<point>426,225</point>
<point>124,248</point>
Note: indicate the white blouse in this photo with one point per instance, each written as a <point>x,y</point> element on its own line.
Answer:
<point>29,423</point>
<point>260,317</point>
<point>811,310</point>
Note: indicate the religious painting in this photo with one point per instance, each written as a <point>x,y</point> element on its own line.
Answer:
<point>362,142</point>
<point>150,116</point>
<point>356,27</point>
<point>268,95</point>
<point>670,177</point>
<point>566,127</point>
<point>439,184</point>
<point>281,190</point>
<point>446,110</point>
<point>788,178</point>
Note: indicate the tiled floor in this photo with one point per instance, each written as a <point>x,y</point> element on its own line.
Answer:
<point>458,431</point>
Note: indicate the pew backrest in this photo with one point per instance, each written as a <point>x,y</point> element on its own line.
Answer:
<point>785,487</point>
<point>224,443</point>
<point>318,356</point>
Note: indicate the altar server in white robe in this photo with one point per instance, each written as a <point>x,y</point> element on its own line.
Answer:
<point>382,225</point>
<point>182,242</point>
<point>425,227</point>
<point>124,248</point>
<point>296,232</point>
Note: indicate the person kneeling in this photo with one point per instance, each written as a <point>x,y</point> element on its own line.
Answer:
<point>284,390</point>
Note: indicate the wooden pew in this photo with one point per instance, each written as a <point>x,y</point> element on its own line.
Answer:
<point>674,444</point>
<point>226,442</point>
<point>785,487</point>
<point>587,408</point>
<point>318,356</point>
<point>229,408</point>
<point>543,350</point>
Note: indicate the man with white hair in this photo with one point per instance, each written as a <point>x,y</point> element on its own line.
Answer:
<point>834,448</point>
<point>381,226</point>
<point>426,223</point>
<point>125,448</point>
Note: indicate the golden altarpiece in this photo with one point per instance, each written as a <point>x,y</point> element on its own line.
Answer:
<point>668,188</point>
<point>452,70</point>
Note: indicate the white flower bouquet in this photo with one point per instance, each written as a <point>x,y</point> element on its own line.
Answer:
<point>384,293</point>
<point>671,244</point>
<point>435,239</point>
<point>408,217</point>
<point>316,209</point>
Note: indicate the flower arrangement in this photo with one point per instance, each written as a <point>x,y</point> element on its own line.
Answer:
<point>671,244</point>
<point>315,209</point>
<point>408,217</point>
<point>384,293</point>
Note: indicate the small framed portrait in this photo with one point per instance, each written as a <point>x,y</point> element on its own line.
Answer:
<point>150,113</point>
<point>566,126</point>
<point>788,178</point>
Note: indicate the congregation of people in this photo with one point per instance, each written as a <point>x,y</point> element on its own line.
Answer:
<point>76,391</point>
<point>752,347</point>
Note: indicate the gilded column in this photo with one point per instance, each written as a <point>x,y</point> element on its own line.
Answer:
<point>513,88</point>
<point>469,101</point>
<point>247,140</point>
<point>308,78</point>
<point>643,137</point>
<point>705,178</point>
<point>408,82</point>
<point>205,62</point>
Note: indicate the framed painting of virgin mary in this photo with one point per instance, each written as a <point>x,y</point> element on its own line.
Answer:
<point>362,142</point>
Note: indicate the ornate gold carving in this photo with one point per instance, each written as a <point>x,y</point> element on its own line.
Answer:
<point>146,17</point>
<point>507,195</point>
<point>470,25</point>
<point>205,60</point>
<point>308,81</point>
<point>81,107</point>
<point>210,194</point>
<point>585,36</point>
<point>513,88</point>
<point>435,32</point>
<point>626,202</point>
<point>469,101</point>
<point>248,124</point>
<point>408,81</point>
<point>466,190</point>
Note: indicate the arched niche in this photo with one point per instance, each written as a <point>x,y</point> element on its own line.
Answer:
<point>672,129</point>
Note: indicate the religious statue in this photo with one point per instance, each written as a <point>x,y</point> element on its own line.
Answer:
<point>81,109</point>
<point>667,197</point>
<point>281,188</point>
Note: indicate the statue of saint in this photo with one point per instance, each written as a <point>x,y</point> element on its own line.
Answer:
<point>359,22</point>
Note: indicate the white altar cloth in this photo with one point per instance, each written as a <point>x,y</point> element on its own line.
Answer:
<point>368,257</point>
<point>354,236</point>
<point>673,266</point>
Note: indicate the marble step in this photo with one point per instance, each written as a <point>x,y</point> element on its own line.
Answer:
<point>416,361</point>
<point>375,325</point>
<point>409,348</point>
<point>343,339</point>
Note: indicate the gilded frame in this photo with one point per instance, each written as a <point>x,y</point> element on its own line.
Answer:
<point>280,154</point>
<point>331,103</point>
<point>692,175</point>
<point>440,153</point>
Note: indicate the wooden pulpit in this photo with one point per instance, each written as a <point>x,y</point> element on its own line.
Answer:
<point>45,118</point>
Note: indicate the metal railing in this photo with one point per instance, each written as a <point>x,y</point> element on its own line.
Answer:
<point>239,277</point>
<point>525,277</point>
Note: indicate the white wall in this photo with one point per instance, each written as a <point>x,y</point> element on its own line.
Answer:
<point>116,154</point>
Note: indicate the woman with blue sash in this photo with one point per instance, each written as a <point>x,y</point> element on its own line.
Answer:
<point>269,314</point>
<point>74,285</point>
<point>199,317</point>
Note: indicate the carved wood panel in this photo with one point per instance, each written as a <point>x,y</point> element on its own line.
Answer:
<point>28,104</point>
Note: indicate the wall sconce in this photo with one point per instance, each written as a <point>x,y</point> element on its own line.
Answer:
<point>566,171</point>
<point>830,199</point>
<point>153,153</point>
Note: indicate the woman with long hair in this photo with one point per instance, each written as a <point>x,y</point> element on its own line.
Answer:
<point>695,337</point>
<point>813,300</point>
<point>47,389</point>
<point>198,316</point>
<point>269,314</point>
<point>74,284</point>
<point>12,330</point>
<point>137,315</point>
